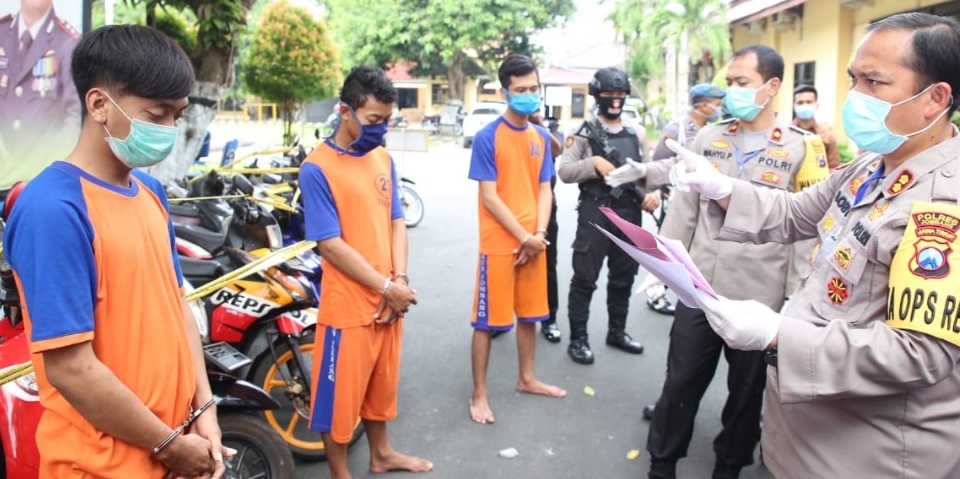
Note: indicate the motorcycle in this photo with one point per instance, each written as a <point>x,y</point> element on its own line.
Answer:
<point>269,317</point>
<point>261,451</point>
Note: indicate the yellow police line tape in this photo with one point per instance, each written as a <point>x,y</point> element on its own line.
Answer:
<point>271,151</point>
<point>261,264</point>
<point>278,203</point>
<point>16,372</point>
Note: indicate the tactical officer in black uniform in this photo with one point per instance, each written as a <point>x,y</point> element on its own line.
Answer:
<point>583,162</point>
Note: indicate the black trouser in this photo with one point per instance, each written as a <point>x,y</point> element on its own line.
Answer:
<point>553,294</point>
<point>590,247</point>
<point>691,363</point>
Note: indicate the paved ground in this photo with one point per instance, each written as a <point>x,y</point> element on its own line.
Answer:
<point>576,437</point>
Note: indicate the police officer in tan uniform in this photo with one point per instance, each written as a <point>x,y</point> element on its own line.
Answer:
<point>864,382</point>
<point>763,149</point>
<point>39,106</point>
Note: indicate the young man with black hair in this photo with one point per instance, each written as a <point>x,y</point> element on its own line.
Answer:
<point>805,104</point>
<point>513,164</point>
<point>115,345</point>
<point>352,209</point>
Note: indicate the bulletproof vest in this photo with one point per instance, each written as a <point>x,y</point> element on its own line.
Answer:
<point>626,142</point>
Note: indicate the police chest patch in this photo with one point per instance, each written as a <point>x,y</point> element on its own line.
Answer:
<point>855,185</point>
<point>719,144</point>
<point>778,153</point>
<point>903,181</point>
<point>878,210</point>
<point>843,256</point>
<point>770,177</point>
<point>837,290</point>
<point>828,223</point>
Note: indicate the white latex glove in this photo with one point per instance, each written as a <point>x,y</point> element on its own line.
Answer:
<point>631,171</point>
<point>695,173</point>
<point>653,287</point>
<point>744,325</point>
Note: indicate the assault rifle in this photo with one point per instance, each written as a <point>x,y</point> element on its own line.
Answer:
<point>597,136</point>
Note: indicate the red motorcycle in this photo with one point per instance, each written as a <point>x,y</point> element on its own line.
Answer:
<point>261,451</point>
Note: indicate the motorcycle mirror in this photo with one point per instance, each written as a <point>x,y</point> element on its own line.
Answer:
<point>316,133</point>
<point>242,184</point>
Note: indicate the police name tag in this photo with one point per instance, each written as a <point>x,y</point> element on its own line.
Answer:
<point>924,291</point>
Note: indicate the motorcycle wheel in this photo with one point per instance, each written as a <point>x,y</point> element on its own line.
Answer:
<point>261,453</point>
<point>412,206</point>
<point>291,421</point>
<point>458,129</point>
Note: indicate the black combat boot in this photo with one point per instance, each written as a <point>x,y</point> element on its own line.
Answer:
<point>660,469</point>
<point>722,470</point>
<point>579,349</point>
<point>549,328</point>
<point>618,338</point>
<point>648,411</point>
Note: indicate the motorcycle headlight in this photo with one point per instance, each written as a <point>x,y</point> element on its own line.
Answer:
<point>274,236</point>
<point>28,383</point>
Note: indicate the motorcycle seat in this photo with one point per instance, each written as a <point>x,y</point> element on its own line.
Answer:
<point>211,241</point>
<point>190,210</point>
<point>202,270</point>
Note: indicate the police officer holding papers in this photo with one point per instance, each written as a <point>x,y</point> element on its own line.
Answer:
<point>864,380</point>
<point>759,148</point>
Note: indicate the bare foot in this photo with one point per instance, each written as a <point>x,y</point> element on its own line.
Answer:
<point>480,411</point>
<point>394,461</point>
<point>537,387</point>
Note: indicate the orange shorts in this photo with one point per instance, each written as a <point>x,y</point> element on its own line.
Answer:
<point>505,290</point>
<point>357,371</point>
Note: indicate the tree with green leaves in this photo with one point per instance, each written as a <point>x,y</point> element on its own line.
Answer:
<point>695,27</point>
<point>291,60</point>
<point>441,34</point>
<point>211,44</point>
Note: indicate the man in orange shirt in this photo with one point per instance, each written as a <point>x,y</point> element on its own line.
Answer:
<point>352,209</point>
<point>513,164</point>
<point>115,345</point>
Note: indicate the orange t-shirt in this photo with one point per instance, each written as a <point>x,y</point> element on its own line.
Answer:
<point>96,262</point>
<point>519,161</point>
<point>352,196</point>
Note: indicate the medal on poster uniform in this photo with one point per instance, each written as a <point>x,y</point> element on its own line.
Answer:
<point>43,72</point>
<point>924,288</point>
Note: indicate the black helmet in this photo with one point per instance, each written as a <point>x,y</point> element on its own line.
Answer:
<point>609,79</point>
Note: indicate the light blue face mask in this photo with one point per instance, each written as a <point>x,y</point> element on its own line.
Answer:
<point>805,112</point>
<point>146,145</point>
<point>865,122</point>
<point>524,104</point>
<point>739,102</point>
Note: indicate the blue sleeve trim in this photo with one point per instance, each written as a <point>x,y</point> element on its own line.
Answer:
<point>547,171</point>
<point>48,242</point>
<point>396,208</point>
<point>157,188</point>
<point>320,214</point>
<point>483,163</point>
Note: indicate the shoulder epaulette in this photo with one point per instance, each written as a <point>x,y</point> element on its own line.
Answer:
<point>68,29</point>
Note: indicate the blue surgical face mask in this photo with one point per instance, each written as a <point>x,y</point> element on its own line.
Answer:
<point>865,122</point>
<point>739,101</point>
<point>524,104</point>
<point>146,145</point>
<point>805,112</point>
<point>370,137</point>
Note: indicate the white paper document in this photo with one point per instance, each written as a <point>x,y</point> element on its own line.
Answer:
<point>665,258</point>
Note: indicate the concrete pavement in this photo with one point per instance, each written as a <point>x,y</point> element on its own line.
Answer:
<point>580,436</point>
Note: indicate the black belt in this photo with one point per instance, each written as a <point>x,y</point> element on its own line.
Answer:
<point>771,357</point>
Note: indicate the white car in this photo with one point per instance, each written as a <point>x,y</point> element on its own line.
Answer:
<point>483,113</point>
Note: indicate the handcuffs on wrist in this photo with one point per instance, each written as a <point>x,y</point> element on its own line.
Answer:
<point>190,420</point>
